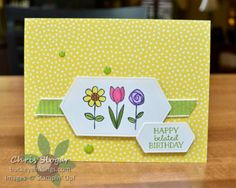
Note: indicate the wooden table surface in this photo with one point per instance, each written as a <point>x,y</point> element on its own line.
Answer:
<point>220,171</point>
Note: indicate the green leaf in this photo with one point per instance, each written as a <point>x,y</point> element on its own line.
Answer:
<point>56,180</point>
<point>131,120</point>
<point>112,116</point>
<point>67,165</point>
<point>61,148</point>
<point>43,144</point>
<point>120,115</point>
<point>99,118</point>
<point>139,115</point>
<point>30,158</point>
<point>89,116</point>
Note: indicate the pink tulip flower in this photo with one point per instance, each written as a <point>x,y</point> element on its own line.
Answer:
<point>117,94</point>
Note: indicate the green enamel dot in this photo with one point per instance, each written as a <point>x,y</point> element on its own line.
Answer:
<point>62,53</point>
<point>88,148</point>
<point>107,70</point>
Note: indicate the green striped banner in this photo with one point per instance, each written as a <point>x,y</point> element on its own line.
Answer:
<point>49,107</point>
<point>179,107</point>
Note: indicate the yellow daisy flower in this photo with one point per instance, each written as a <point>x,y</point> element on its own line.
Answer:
<point>94,96</point>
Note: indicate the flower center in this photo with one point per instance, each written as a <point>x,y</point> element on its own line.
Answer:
<point>95,97</point>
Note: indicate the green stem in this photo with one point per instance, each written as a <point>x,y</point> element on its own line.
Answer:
<point>135,117</point>
<point>94,115</point>
<point>116,111</point>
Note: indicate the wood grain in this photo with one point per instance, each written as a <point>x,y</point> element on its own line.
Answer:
<point>220,171</point>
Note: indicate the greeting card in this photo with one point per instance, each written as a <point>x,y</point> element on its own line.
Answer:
<point>120,90</point>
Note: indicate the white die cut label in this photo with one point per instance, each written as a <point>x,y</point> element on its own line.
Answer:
<point>165,137</point>
<point>103,106</point>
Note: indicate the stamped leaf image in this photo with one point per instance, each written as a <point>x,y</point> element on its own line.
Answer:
<point>137,98</point>
<point>117,95</point>
<point>43,145</point>
<point>94,97</point>
<point>48,165</point>
<point>61,148</point>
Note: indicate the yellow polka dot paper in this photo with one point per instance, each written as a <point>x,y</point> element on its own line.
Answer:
<point>57,51</point>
